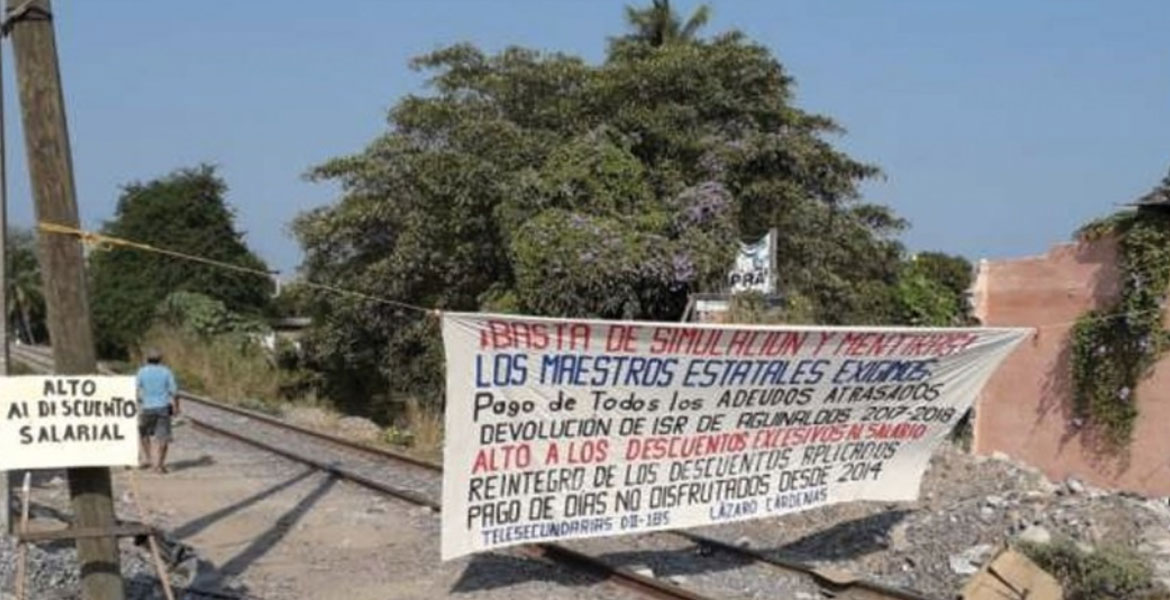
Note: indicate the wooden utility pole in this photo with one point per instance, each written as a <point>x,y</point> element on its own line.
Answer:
<point>50,164</point>
<point>6,482</point>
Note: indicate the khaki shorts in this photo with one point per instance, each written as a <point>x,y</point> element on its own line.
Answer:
<point>155,423</point>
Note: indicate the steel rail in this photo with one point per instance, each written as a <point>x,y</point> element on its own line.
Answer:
<point>832,581</point>
<point>37,359</point>
<point>332,439</point>
<point>823,577</point>
<point>578,561</point>
<point>647,586</point>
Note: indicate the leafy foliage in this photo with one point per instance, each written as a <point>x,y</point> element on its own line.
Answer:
<point>1114,348</point>
<point>229,367</point>
<point>658,24</point>
<point>755,308</point>
<point>183,211</point>
<point>26,301</point>
<point>535,182</point>
<point>955,273</point>
<point>924,301</point>
<point>292,301</point>
<point>205,316</point>
<point>932,290</point>
<point>1104,574</point>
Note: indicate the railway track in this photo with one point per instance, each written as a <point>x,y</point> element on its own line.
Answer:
<point>418,482</point>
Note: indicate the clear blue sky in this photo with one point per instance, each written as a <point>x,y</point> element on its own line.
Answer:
<point>1001,125</point>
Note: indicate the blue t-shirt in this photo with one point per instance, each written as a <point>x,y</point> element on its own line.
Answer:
<point>156,386</point>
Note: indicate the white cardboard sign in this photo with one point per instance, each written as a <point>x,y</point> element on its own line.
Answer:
<point>59,421</point>
<point>752,271</point>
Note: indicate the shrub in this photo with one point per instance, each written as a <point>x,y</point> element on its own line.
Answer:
<point>1115,348</point>
<point>1107,573</point>
<point>420,428</point>
<point>425,424</point>
<point>231,368</point>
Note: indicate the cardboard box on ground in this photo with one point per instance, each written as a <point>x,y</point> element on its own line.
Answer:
<point>1010,575</point>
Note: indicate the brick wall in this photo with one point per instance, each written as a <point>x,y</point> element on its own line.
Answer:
<point>1024,411</point>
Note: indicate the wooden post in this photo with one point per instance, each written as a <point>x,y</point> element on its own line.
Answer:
<point>773,275</point>
<point>686,316</point>
<point>164,578</point>
<point>22,551</point>
<point>50,163</point>
<point>8,482</point>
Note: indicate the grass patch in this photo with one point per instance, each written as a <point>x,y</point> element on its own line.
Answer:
<point>230,368</point>
<point>234,369</point>
<point>418,429</point>
<point>1107,573</point>
<point>261,405</point>
<point>16,367</point>
<point>426,425</point>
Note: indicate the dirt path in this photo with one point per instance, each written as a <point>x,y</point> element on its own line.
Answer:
<point>277,530</point>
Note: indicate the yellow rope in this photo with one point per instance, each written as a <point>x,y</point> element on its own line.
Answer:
<point>97,239</point>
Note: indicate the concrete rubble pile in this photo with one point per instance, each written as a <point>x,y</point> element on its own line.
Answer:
<point>51,571</point>
<point>969,509</point>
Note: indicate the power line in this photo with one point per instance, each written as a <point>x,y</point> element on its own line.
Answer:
<point>98,239</point>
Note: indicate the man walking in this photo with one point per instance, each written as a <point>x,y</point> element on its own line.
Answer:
<point>157,395</point>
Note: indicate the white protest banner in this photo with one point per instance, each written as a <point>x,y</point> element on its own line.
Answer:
<point>563,429</point>
<point>51,421</point>
<point>752,271</point>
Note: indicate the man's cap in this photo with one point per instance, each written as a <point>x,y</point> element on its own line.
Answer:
<point>153,354</point>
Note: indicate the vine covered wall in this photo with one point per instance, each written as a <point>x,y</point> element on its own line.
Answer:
<point>1115,347</point>
<point>1026,410</point>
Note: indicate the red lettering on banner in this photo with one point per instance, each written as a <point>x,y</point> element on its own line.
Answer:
<point>621,338</point>
<point>510,456</point>
<point>681,447</point>
<point>588,452</point>
<point>573,336</point>
<point>687,341</point>
<point>482,462</point>
<point>901,344</point>
<point>741,343</point>
<point>501,335</point>
<point>825,337</point>
<point>784,343</point>
<point>853,344</point>
<point>659,340</point>
<point>780,437</point>
<point>933,343</point>
<point>495,335</point>
<point>896,431</point>
<point>884,345</point>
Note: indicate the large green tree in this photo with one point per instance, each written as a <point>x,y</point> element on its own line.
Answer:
<point>184,211</point>
<point>658,24</point>
<point>536,182</point>
<point>26,301</point>
<point>932,290</point>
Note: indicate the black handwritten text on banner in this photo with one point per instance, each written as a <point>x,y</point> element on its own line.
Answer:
<point>562,429</point>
